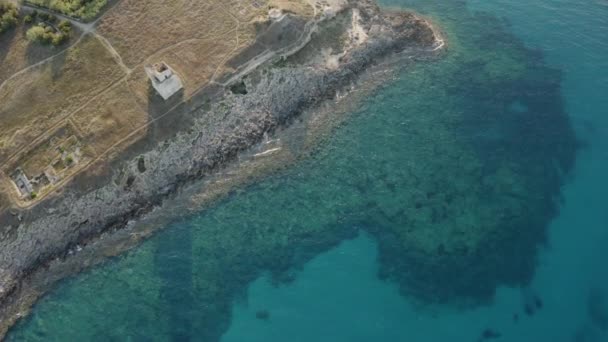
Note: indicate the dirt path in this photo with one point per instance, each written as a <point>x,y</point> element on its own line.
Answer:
<point>269,54</point>
<point>89,28</point>
<point>83,27</point>
<point>44,61</point>
<point>113,52</point>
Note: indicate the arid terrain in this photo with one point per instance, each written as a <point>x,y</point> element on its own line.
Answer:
<point>95,87</point>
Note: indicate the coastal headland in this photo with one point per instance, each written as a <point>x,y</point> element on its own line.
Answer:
<point>106,150</point>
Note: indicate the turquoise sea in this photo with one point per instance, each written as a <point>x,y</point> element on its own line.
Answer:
<point>464,201</point>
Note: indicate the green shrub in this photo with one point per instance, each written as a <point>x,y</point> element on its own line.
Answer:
<point>9,15</point>
<point>83,9</point>
<point>44,33</point>
<point>35,33</point>
<point>65,27</point>
<point>58,39</point>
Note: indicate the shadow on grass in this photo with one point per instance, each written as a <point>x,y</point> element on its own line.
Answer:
<point>6,40</point>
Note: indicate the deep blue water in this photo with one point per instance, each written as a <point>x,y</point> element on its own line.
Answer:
<point>286,260</point>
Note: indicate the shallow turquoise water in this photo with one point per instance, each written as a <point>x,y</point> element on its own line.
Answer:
<point>191,282</point>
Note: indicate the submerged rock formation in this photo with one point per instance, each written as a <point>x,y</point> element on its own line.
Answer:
<point>486,172</point>
<point>597,308</point>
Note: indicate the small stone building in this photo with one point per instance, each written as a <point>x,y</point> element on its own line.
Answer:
<point>22,183</point>
<point>163,79</point>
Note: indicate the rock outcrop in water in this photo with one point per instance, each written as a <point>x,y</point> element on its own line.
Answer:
<point>214,135</point>
<point>486,173</point>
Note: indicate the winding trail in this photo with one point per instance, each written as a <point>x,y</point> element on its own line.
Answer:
<point>84,28</point>
<point>106,43</point>
<point>44,61</point>
<point>90,28</point>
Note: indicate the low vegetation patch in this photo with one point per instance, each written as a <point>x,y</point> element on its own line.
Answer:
<point>9,14</point>
<point>47,29</point>
<point>82,9</point>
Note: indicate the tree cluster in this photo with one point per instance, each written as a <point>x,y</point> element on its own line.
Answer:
<point>83,9</point>
<point>9,14</point>
<point>47,29</point>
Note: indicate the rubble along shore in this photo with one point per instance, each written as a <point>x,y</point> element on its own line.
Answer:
<point>274,96</point>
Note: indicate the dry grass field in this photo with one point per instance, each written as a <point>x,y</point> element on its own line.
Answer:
<point>139,29</point>
<point>109,118</point>
<point>16,52</point>
<point>35,101</point>
<point>94,97</point>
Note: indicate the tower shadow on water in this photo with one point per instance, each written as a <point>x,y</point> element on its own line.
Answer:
<point>173,261</point>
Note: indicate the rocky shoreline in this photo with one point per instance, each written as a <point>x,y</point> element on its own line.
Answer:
<point>274,95</point>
